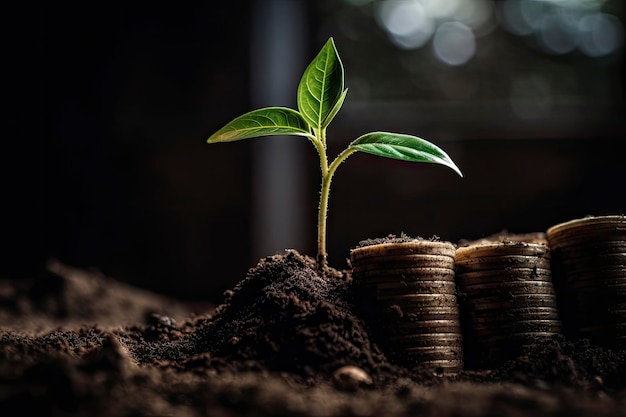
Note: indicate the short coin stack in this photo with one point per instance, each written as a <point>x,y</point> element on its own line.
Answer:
<point>508,300</point>
<point>409,293</point>
<point>590,266</point>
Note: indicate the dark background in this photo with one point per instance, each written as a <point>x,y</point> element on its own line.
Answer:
<point>106,165</point>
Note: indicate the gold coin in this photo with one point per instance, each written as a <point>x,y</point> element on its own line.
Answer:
<point>415,261</point>
<point>378,267</point>
<point>422,321</point>
<point>510,298</point>
<point>600,276</point>
<point>500,319</point>
<point>434,349</point>
<point>522,337</point>
<point>435,324</point>
<point>501,249</point>
<point>441,364</point>
<point>519,326</point>
<point>505,275</point>
<point>515,301</point>
<point>406,274</point>
<point>419,310</point>
<point>501,262</point>
<point>406,331</point>
<point>419,300</point>
<point>426,247</point>
<point>587,229</point>
<point>511,285</point>
<point>600,260</point>
<point>416,287</point>
<point>515,287</point>
<point>507,238</point>
<point>453,339</point>
<point>450,355</point>
<point>526,312</point>
<point>591,248</point>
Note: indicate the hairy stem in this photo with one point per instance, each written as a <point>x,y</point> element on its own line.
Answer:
<point>327,177</point>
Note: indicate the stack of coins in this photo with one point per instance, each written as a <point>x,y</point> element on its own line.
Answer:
<point>408,293</point>
<point>507,300</point>
<point>590,266</point>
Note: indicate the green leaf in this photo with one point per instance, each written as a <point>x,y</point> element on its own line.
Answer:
<point>403,147</point>
<point>335,109</point>
<point>321,87</point>
<point>263,122</point>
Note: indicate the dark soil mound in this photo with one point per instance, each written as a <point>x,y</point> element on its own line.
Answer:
<point>285,317</point>
<point>278,346</point>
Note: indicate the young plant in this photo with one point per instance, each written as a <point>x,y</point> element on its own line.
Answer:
<point>321,94</point>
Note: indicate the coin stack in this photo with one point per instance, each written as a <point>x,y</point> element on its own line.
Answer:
<point>408,293</point>
<point>590,266</point>
<point>507,300</point>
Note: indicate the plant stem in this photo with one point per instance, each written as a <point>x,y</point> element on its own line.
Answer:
<point>327,177</point>
<point>322,255</point>
<point>320,144</point>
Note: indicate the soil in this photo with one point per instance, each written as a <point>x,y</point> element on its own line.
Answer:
<point>285,342</point>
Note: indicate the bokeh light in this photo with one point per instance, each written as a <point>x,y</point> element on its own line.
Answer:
<point>407,23</point>
<point>454,43</point>
<point>450,24</point>
<point>600,34</point>
<point>531,57</point>
<point>557,33</point>
<point>521,17</point>
<point>561,27</point>
<point>475,13</point>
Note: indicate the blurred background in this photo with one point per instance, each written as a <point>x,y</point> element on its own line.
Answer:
<point>108,167</point>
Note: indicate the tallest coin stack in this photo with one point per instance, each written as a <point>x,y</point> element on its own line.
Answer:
<point>590,271</point>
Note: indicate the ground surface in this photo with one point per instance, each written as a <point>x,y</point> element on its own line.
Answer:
<point>76,343</point>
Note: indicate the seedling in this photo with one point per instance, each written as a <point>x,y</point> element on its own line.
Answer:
<point>321,94</point>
